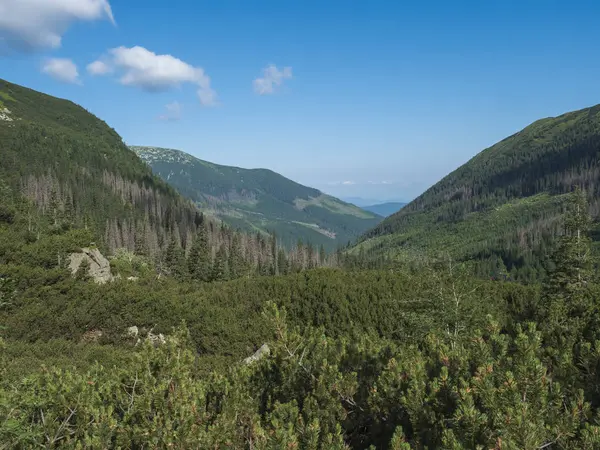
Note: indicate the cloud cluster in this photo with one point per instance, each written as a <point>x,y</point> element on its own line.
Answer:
<point>173,112</point>
<point>146,70</point>
<point>272,78</point>
<point>380,182</point>
<point>343,183</point>
<point>62,69</point>
<point>31,25</point>
<point>99,68</point>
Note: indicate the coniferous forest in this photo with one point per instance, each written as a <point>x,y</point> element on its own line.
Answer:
<point>204,336</point>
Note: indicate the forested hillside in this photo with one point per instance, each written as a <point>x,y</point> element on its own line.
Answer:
<point>77,173</point>
<point>203,337</point>
<point>504,203</point>
<point>261,200</point>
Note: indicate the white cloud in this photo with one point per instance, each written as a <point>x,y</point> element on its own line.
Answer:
<point>62,69</point>
<point>272,78</point>
<point>36,24</point>
<point>338,183</point>
<point>98,68</point>
<point>146,70</point>
<point>173,111</point>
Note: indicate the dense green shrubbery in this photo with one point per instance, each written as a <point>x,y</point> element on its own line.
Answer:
<point>484,389</point>
<point>418,356</point>
<point>409,358</point>
<point>224,318</point>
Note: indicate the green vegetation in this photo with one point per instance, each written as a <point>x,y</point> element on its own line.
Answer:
<point>261,200</point>
<point>75,172</point>
<point>423,354</point>
<point>505,202</point>
<point>427,358</point>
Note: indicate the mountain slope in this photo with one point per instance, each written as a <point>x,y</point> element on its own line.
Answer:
<point>384,209</point>
<point>260,199</point>
<point>77,169</point>
<point>68,181</point>
<point>505,201</point>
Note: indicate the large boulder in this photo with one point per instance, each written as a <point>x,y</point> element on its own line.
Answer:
<point>133,332</point>
<point>99,266</point>
<point>259,354</point>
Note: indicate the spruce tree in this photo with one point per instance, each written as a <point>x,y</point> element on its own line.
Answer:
<point>236,262</point>
<point>141,246</point>
<point>273,256</point>
<point>175,260</point>
<point>199,259</point>
<point>572,259</point>
<point>567,304</point>
<point>220,267</point>
<point>282,262</point>
<point>53,207</point>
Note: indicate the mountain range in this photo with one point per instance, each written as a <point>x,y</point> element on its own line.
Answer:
<point>502,208</point>
<point>260,200</point>
<point>506,202</point>
<point>189,334</point>
<point>68,181</point>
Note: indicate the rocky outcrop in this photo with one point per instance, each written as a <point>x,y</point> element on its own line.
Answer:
<point>4,115</point>
<point>259,354</point>
<point>134,333</point>
<point>98,265</point>
<point>156,339</point>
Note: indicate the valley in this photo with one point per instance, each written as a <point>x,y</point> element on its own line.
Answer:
<point>385,209</point>
<point>151,299</point>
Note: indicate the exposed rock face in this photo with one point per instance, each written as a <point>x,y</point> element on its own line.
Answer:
<point>156,339</point>
<point>4,115</point>
<point>99,266</point>
<point>133,331</point>
<point>260,353</point>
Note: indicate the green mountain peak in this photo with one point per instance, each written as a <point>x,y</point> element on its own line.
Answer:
<point>260,199</point>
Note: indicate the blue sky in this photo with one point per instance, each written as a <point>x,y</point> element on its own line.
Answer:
<point>376,99</point>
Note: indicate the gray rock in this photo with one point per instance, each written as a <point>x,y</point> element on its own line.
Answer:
<point>4,115</point>
<point>99,266</point>
<point>263,351</point>
<point>156,339</point>
<point>133,331</point>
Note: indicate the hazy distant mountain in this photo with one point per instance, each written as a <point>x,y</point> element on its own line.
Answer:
<point>260,199</point>
<point>384,209</point>
<point>361,202</point>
